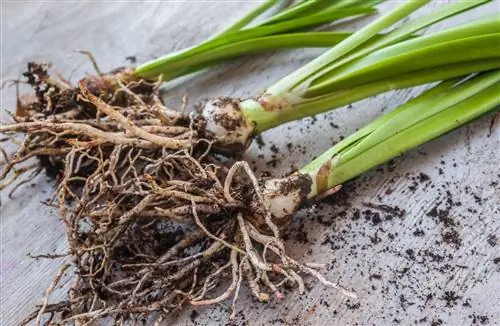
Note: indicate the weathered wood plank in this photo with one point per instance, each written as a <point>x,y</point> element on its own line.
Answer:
<point>415,268</point>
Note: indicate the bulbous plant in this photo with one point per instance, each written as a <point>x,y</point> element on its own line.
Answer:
<point>134,199</point>
<point>360,66</point>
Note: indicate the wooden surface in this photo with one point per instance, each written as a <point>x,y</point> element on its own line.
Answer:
<point>438,261</point>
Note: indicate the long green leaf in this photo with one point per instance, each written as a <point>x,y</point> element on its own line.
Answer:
<point>407,118</point>
<point>268,119</point>
<point>416,135</point>
<point>419,23</point>
<point>311,7</point>
<point>353,140</point>
<point>399,34</point>
<point>463,50</point>
<point>250,17</point>
<point>357,39</point>
<point>161,65</point>
<point>430,115</point>
<point>251,46</point>
<point>385,59</point>
<point>301,9</point>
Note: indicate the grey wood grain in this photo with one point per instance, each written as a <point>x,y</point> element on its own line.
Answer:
<point>415,268</point>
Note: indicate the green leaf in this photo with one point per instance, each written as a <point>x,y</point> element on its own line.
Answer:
<point>353,140</point>
<point>250,17</point>
<point>434,113</point>
<point>310,7</point>
<point>357,39</point>
<point>399,34</point>
<point>221,54</point>
<point>442,122</point>
<point>423,51</point>
<point>163,65</point>
<point>431,106</point>
<point>300,10</point>
<point>268,119</point>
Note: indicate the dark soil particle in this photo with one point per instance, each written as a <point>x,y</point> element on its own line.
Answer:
<point>432,256</point>
<point>277,321</point>
<point>375,238</point>
<point>259,141</point>
<point>437,322</point>
<point>442,215</point>
<point>333,125</point>
<point>301,182</point>
<point>225,120</point>
<point>372,216</point>
<point>492,240</point>
<point>410,253</point>
<point>451,298</point>
<point>452,237</point>
<point>422,177</point>
<point>418,233</point>
<point>131,58</point>
<point>483,320</point>
<point>392,210</point>
<point>354,306</point>
<point>375,277</point>
<point>413,186</point>
<point>194,314</point>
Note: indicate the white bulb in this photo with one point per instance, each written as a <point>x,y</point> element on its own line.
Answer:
<point>225,120</point>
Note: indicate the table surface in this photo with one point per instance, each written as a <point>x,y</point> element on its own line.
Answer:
<point>437,261</point>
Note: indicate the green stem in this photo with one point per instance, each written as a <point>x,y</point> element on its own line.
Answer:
<point>315,6</point>
<point>288,83</point>
<point>250,17</point>
<point>217,55</point>
<point>416,122</point>
<point>265,120</point>
<point>455,52</point>
<point>165,65</point>
<point>399,34</point>
<point>452,45</point>
<point>484,48</point>
<point>300,9</point>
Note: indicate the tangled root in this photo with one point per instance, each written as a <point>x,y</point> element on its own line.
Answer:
<point>155,219</point>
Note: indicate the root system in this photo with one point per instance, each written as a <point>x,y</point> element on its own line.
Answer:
<point>155,219</point>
